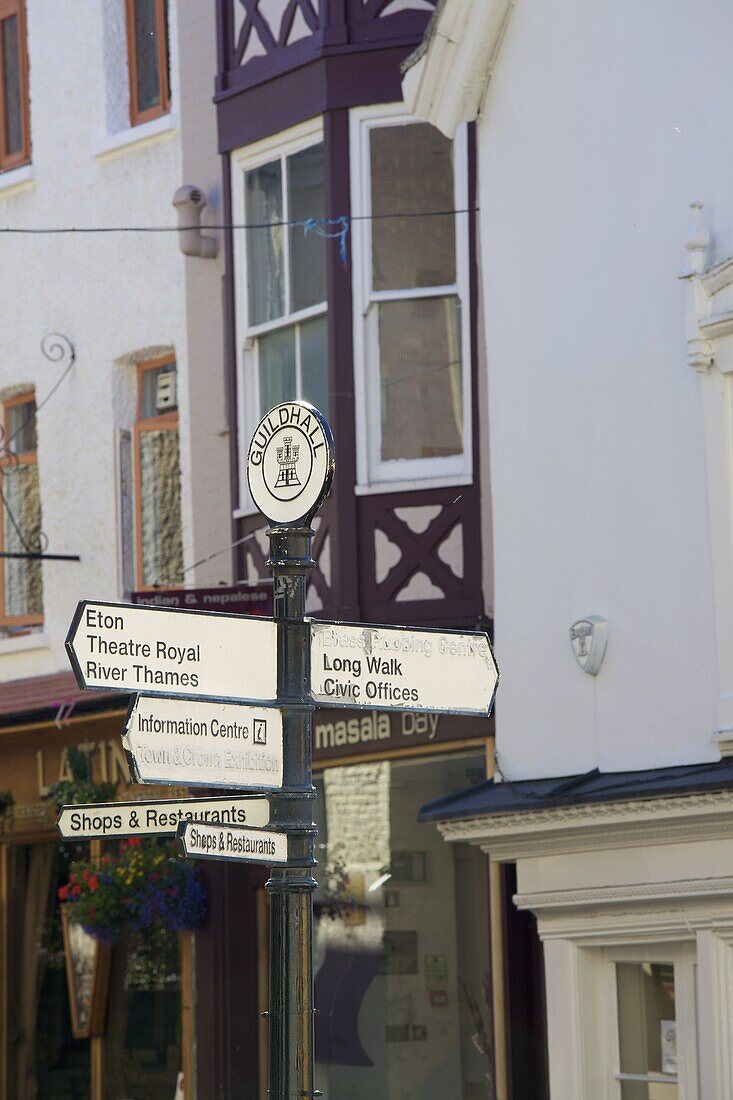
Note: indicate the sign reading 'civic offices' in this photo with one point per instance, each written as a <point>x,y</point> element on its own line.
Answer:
<point>290,462</point>
<point>204,744</point>
<point>395,668</point>
<point>167,651</point>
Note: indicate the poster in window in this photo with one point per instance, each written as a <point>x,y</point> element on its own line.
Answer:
<point>87,977</point>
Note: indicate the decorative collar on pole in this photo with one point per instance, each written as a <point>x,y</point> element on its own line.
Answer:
<point>290,463</point>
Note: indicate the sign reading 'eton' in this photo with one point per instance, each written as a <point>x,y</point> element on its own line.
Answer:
<point>204,744</point>
<point>386,668</point>
<point>166,651</point>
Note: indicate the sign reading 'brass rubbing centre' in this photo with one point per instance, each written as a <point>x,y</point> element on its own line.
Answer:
<point>165,651</point>
<point>396,668</point>
<point>204,744</point>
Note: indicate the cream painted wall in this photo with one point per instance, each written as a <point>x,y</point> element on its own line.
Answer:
<point>602,123</point>
<point>117,297</point>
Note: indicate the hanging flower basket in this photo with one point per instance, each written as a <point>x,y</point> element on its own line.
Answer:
<point>143,886</point>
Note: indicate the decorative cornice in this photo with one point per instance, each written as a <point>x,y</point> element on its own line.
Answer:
<point>700,354</point>
<point>628,892</point>
<point>718,277</point>
<point>597,826</point>
<point>445,79</point>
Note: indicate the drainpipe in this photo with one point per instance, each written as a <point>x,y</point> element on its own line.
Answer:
<point>190,201</point>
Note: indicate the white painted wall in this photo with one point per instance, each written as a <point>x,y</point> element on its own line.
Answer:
<point>117,297</point>
<point>602,122</point>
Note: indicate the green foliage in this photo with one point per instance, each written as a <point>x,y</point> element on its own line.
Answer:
<point>81,788</point>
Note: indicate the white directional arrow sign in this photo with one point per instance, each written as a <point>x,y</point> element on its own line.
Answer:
<point>105,820</point>
<point>204,744</point>
<point>205,841</point>
<point>396,668</point>
<point>167,651</point>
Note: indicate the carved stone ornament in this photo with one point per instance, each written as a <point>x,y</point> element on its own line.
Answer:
<point>588,638</point>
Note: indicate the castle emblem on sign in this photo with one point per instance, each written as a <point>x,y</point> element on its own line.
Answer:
<point>287,457</point>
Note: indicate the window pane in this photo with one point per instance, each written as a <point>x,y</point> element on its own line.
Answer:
<point>21,533</point>
<point>146,55</point>
<point>640,1090</point>
<point>160,508</point>
<point>12,85</point>
<point>412,173</point>
<point>306,199</point>
<point>265,259</point>
<point>420,378</point>
<point>277,368</point>
<point>646,1018</point>
<point>158,391</point>
<point>314,363</point>
<point>142,1049</point>
<point>20,424</point>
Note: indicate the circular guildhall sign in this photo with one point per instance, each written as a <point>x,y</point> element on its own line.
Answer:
<point>290,462</point>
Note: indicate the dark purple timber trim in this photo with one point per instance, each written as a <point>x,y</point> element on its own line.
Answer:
<point>329,83</point>
<point>230,355</point>
<point>343,530</point>
<point>472,548</point>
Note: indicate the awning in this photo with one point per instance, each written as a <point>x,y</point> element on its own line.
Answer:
<point>594,786</point>
<point>51,698</point>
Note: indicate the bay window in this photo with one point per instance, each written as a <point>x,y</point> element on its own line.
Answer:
<point>279,194</point>
<point>21,581</point>
<point>411,299</point>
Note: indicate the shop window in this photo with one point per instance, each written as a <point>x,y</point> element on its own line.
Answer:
<point>143,1047</point>
<point>148,59</point>
<point>653,1026</point>
<point>401,938</point>
<point>159,540</point>
<point>410,299</point>
<point>281,269</point>
<point>20,517</point>
<point>15,145</point>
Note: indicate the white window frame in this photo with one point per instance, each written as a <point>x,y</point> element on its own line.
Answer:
<point>396,475</point>
<point>243,160</point>
<point>683,958</point>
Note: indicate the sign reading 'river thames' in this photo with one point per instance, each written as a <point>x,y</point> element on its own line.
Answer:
<point>165,651</point>
<point>402,669</point>
<point>204,744</point>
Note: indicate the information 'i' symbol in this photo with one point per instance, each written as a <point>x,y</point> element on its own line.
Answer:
<point>287,457</point>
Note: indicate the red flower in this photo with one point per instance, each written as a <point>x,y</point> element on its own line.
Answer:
<point>134,842</point>
<point>85,875</point>
<point>63,893</point>
<point>76,890</point>
<point>72,878</point>
<point>93,883</point>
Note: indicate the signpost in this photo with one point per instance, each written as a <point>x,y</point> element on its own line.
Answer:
<point>109,820</point>
<point>203,841</point>
<point>395,668</point>
<point>194,670</point>
<point>204,744</point>
<point>167,651</point>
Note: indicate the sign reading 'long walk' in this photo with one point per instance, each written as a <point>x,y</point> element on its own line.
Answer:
<point>204,744</point>
<point>396,668</point>
<point>166,651</point>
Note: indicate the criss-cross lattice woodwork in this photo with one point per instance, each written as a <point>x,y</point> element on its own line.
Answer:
<point>271,38</point>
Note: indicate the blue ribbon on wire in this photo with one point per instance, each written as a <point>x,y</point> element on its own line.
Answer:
<point>320,226</point>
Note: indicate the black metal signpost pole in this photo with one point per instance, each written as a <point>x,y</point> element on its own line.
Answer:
<point>291,887</point>
<point>290,468</point>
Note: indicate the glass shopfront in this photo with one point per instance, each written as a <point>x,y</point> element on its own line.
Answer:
<point>401,952</point>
